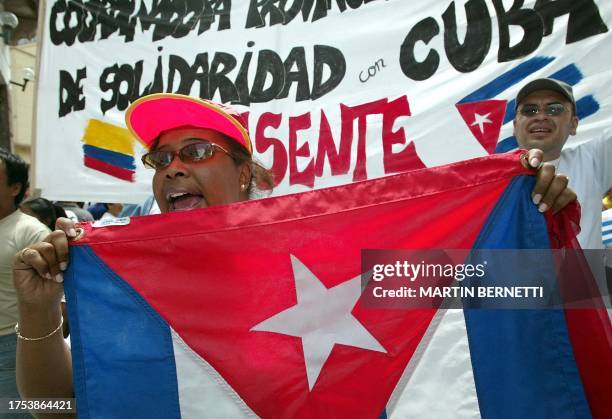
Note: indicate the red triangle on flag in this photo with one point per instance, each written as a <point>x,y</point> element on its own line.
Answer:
<point>484,119</point>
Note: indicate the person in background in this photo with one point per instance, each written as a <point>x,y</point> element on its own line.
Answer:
<point>59,211</point>
<point>606,234</point>
<point>42,209</point>
<point>113,211</point>
<point>545,118</point>
<point>148,207</point>
<point>17,231</point>
<point>606,202</point>
<point>97,210</point>
<point>75,212</point>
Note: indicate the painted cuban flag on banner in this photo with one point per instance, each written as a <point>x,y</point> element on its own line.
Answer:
<point>255,310</point>
<point>488,116</point>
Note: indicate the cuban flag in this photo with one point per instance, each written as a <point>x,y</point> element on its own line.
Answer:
<point>255,309</point>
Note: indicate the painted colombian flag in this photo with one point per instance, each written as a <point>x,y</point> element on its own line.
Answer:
<point>176,315</point>
<point>109,149</point>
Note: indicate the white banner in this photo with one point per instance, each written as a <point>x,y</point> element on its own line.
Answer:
<point>336,90</point>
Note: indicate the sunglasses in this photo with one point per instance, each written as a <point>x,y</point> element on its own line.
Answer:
<point>191,153</point>
<point>553,109</point>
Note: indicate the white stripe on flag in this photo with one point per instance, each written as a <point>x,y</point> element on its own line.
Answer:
<point>202,390</point>
<point>439,378</point>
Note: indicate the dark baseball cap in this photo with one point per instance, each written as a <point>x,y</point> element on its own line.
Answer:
<point>546,84</point>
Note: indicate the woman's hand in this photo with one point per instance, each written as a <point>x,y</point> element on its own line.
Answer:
<point>44,367</point>
<point>551,190</point>
<point>38,269</point>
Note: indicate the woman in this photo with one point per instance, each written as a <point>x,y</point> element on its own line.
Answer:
<point>202,156</point>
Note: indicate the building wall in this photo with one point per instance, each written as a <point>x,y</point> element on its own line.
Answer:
<point>22,101</point>
<point>5,76</point>
<point>5,64</point>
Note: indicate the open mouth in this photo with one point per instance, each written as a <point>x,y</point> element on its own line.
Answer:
<point>183,201</point>
<point>540,130</point>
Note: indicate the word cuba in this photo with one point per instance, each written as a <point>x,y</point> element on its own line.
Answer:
<point>584,21</point>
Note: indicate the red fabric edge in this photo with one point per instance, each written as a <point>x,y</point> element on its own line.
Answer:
<point>403,186</point>
<point>589,330</point>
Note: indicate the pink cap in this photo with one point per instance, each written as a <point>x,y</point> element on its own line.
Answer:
<point>151,115</point>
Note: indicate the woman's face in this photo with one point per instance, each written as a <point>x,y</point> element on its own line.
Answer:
<point>183,186</point>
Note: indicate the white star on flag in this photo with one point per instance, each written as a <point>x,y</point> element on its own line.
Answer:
<point>480,120</point>
<point>322,318</point>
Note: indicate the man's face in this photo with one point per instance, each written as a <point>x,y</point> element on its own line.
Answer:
<point>7,193</point>
<point>546,132</point>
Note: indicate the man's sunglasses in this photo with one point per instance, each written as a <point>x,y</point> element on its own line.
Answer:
<point>553,109</point>
<point>191,153</point>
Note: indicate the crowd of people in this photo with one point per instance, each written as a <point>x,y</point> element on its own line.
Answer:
<point>204,158</point>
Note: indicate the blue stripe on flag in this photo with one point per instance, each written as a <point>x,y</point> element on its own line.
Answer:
<point>570,74</point>
<point>607,223</point>
<point>586,106</point>
<point>111,157</point>
<point>509,78</point>
<point>509,115</point>
<point>506,144</point>
<point>608,241</point>
<point>150,392</point>
<point>522,360</point>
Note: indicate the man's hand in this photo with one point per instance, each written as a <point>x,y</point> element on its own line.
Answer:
<point>551,190</point>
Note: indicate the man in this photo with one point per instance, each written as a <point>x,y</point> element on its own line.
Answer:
<point>17,231</point>
<point>545,118</point>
